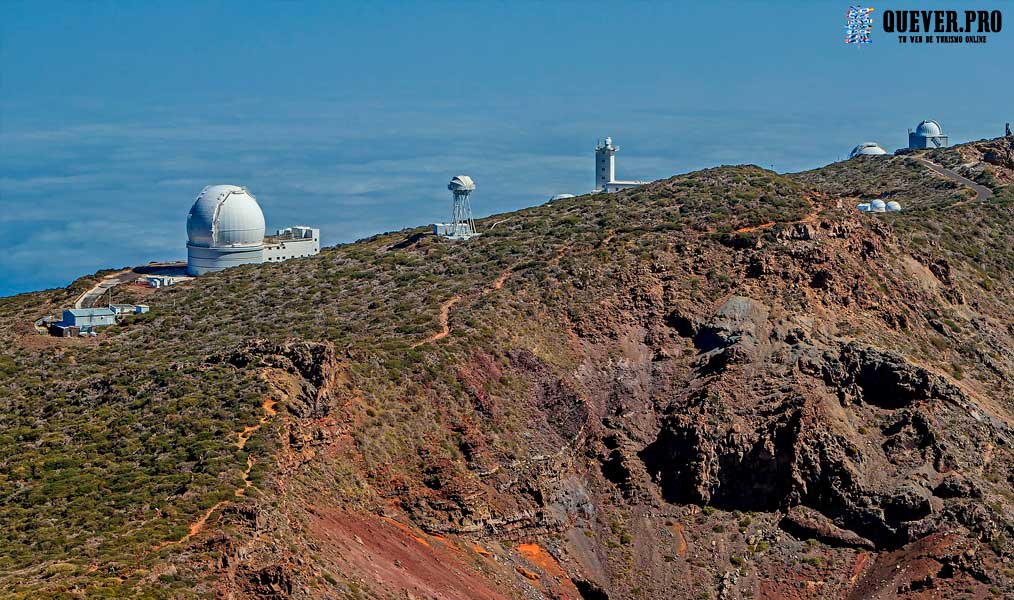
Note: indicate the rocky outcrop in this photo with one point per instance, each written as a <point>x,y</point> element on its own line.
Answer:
<point>785,444</point>
<point>315,364</point>
<point>807,523</point>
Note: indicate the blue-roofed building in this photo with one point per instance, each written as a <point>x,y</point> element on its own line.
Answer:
<point>86,318</point>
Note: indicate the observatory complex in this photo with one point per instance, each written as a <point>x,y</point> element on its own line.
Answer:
<point>605,168</point>
<point>225,228</point>
<point>927,134</point>
<point>461,226</point>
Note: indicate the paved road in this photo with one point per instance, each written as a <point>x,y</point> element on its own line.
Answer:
<point>89,298</point>
<point>982,193</point>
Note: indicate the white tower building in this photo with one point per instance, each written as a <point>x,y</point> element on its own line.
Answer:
<point>605,168</point>
<point>605,163</point>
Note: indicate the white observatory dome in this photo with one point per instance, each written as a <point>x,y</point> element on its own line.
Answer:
<point>561,197</point>
<point>867,149</point>
<point>878,206</point>
<point>225,216</point>
<point>461,183</point>
<point>928,128</point>
<point>893,206</point>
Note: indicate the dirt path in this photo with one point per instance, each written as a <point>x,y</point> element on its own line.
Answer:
<point>502,279</point>
<point>755,227</point>
<point>269,411</point>
<point>809,218</point>
<point>445,328</point>
<point>497,284</point>
<point>268,406</point>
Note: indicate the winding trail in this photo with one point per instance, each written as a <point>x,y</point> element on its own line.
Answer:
<point>501,279</point>
<point>445,328</point>
<point>268,406</point>
<point>497,284</point>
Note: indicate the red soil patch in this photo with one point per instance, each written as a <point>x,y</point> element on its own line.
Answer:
<point>408,530</point>
<point>482,551</point>
<point>681,540</point>
<point>857,569</point>
<point>394,561</point>
<point>545,562</point>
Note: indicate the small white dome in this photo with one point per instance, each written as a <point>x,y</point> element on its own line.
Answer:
<point>893,206</point>
<point>928,128</point>
<point>561,197</point>
<point>878,206</point>
<point>225,216</point>
<point>461,183</point>
<point>867,149</point>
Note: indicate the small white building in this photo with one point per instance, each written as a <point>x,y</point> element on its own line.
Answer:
<point>605,169</point>
<point>160,281</point>
<point>292,242</point>
<point>927,134</point>
<point>879,206</point>
<point>129,309</point>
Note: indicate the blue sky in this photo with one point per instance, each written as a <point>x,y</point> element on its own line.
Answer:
<point>353,116</point>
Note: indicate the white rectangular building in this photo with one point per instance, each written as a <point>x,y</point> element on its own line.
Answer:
<point>292,242</point>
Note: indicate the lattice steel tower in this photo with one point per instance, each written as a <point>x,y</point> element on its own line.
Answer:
<point>461,226</point>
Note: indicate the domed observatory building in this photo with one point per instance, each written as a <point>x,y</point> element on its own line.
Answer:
<point>225,228</point>
<point>867,149</point>
<point>927,134</point>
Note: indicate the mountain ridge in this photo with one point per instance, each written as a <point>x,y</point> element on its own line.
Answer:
<point>655,393</point>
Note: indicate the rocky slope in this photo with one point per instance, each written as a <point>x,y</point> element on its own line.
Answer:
<point>727,384</point>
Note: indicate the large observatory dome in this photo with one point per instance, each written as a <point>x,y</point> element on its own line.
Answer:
<point>225,216</point>
<point>928,128</point>
<point>867,149</point>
